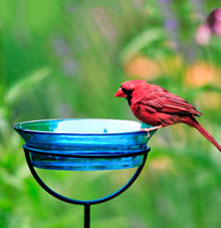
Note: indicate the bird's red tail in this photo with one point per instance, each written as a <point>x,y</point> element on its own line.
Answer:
<point>206,134</point>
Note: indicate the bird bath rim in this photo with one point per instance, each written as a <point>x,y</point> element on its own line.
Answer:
<point>18,127</point>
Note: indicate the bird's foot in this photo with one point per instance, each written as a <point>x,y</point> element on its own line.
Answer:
<point>150,129</point>
<point>148,132</point>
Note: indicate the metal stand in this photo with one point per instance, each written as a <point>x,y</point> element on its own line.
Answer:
<point>86,203</point>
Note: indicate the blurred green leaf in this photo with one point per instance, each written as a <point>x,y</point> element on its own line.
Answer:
<point>24,86</point>
<point>3,120</point>
<point>2,69</point>
<point>142,40</point>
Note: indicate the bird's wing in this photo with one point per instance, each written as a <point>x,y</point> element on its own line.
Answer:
<point>163,101</point>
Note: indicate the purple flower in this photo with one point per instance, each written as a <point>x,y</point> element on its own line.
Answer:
<point>217,28</point>
<point>170,24</point>
<point>196,1</point>
<point>60,46</point>
<point>214,21</point>
<point>165,1</point>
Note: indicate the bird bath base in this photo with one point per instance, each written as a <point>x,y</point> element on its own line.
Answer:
<point>84,144</point>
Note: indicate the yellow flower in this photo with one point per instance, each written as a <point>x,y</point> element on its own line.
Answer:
<point>200,74</point>
<point>142,67</point>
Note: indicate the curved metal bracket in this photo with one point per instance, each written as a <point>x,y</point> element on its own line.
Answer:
<point>86,203</point>
<point>73,201</point>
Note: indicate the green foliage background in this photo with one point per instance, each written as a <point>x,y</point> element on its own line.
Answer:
<point>66,59</point>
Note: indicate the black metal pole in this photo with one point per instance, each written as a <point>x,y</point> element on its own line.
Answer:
<point>87,215</point>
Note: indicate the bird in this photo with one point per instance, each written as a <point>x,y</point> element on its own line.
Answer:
<point>160,108</point>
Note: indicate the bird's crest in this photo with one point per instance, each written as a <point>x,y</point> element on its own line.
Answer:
<point>131,85</point>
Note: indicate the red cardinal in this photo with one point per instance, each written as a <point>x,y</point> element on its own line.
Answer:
<point>158,107</point>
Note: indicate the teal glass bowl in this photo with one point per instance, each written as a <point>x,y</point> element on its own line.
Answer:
<point>84,144</point>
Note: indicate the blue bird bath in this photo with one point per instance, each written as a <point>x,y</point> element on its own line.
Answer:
<point>84,144</point>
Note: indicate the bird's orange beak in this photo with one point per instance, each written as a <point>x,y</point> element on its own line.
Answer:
<point>120,93</point>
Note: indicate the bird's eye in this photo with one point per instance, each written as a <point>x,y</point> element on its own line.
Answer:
<point>123,89</point>
<point>126,91</point>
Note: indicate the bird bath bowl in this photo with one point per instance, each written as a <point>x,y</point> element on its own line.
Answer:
<point>84,145</point>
